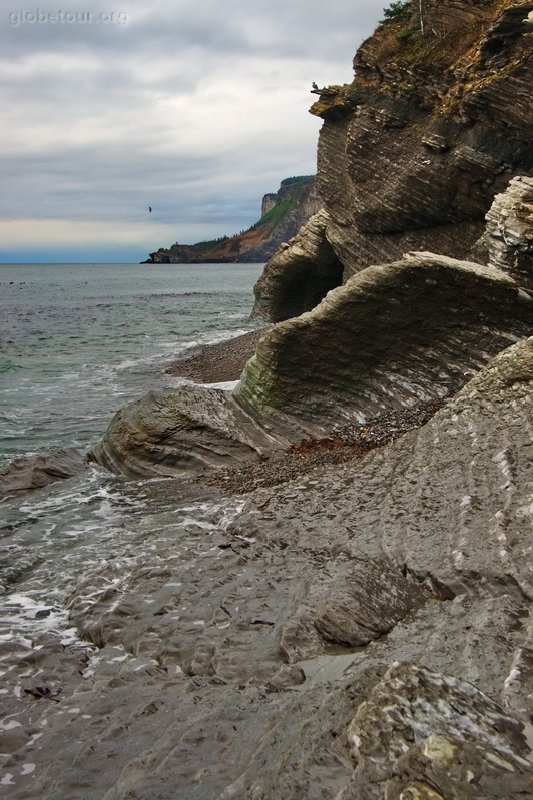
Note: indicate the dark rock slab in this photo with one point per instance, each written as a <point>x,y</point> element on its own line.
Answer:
<point>34,472</point>
<point>366,599</point>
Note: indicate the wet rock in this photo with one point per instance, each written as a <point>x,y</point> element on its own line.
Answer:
<point>187,695</point>
<point>180,431</point>
<point>423,735</point>
<point>38,471</point>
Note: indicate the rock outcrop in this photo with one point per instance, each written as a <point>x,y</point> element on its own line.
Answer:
<point>35,472</point>
<point>393,336</point>
<point>282,215</point>
<point>180,431</point>
<point>426,736</point>
<point>300,274</point>
<point>434,125</point>
<point>509,235</point>
<point>364,632</point>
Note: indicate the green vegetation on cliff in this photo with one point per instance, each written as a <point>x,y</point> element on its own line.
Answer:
<point>293,204</point>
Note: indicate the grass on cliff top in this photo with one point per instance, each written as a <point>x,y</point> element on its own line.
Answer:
<point>277,213</point>
<point>448,33</point>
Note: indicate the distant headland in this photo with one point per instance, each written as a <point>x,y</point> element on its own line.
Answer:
<point>282,215</point>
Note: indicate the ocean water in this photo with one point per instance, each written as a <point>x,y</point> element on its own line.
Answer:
<point>78,342</point>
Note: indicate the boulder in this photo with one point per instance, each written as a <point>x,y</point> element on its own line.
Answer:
<point>37,471</point>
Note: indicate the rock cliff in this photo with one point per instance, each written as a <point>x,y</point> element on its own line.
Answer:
<point>412,153</point>
<point>282,215</point>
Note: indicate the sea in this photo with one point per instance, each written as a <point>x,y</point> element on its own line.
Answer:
<point>77,342</point>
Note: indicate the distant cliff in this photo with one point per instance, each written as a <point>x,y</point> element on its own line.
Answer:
<point>282,215</point>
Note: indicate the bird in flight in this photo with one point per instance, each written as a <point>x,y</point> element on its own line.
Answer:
<point>150,209</point>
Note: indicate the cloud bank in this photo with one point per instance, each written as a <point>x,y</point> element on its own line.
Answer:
<point>194,108</point>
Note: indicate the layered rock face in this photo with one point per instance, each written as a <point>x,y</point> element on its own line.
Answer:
<point>392,337</point>
<point>185,430</point>
<point>509,235</point>
<point>300,274</point>
<point>412,153</point>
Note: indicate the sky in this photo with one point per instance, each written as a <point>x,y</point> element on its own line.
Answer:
<point>194,107</point>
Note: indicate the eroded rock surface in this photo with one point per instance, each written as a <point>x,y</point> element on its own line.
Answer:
<point>393,336</point>
<point>425,736</point>
<point>183,430</point>
<point>189,688</point>
<point>509,235</point>
<point>299,275</point>
<point>35,472</point>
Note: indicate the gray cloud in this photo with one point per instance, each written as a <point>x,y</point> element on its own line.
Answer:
<point>196,115</point>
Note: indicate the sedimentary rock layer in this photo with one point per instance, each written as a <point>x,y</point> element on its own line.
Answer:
<point>183,430</point>
<point>392,337</point>
<point>436,122</point>
<point>299,275</point>
<point>509,234</point>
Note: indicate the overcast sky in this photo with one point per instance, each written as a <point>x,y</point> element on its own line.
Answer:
<point>195,107</point>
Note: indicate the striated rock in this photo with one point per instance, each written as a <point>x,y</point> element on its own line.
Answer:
<point>426,736</point>
<point>299,275</point>
<point>366,599</point>
<point>509,235</point>
<point>434,125</point>
<point>37,471</point>
<point>392,336</point>
<point>180,431</point>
